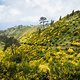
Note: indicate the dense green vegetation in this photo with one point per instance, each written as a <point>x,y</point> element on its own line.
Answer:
<point>51,53</point>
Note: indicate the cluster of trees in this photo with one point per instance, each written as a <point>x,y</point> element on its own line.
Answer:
<point>43,21</point>
<point>9,42</point>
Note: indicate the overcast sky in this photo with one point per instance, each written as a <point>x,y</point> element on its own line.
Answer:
<point>14,12</point>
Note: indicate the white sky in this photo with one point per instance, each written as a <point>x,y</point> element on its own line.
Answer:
<point>14,12</point>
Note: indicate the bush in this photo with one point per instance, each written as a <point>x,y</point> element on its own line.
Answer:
<point>16,58</point>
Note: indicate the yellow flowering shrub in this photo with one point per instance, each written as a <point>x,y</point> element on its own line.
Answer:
<point>75,43</point>
<point>44,68</point>
<point>59,47</point>
<point>33,63</point>
<point>70,50</point>
<point>50,60</point>
<point>1,55</point>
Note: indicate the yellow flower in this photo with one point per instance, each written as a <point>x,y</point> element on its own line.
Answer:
<point>50,60</point>
<point>73,62</point>
<point>33,63</point>
<point>58,47</point>
<point>78,56</point>
<point>1,55</point>
<point>75,43</point>
<point>44,68</point>
<point>70,50</point>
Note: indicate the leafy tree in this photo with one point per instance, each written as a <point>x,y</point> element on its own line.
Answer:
<point>52,21</point>
<point>9,42</point>
<point>43,20</point>
<point>60,18</point>
<point>72,12</point>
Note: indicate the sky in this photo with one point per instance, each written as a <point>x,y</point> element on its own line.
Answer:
<point>28,12</point>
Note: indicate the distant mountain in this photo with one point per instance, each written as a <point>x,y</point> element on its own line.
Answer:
<point>15,31</point>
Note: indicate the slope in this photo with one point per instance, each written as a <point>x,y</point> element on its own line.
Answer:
<point>17,32</point>
<point>52,53</point>
<point>65,32</point>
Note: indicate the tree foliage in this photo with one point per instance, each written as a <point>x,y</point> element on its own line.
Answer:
<point>9,42</point>
<point>43,20</point>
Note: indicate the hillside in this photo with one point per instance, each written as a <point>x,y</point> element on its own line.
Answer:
<point>52,53</point>
<point>17,32</point>
<point>63,31</point>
